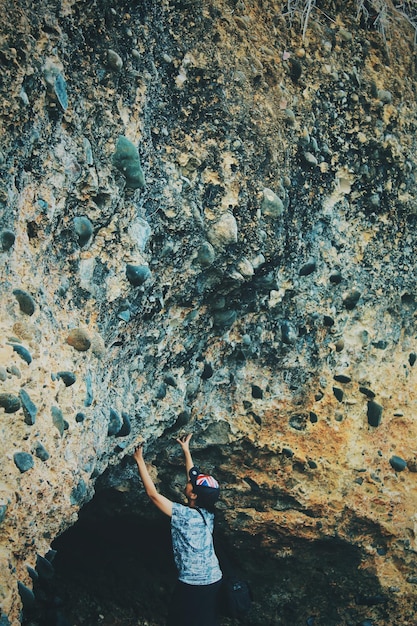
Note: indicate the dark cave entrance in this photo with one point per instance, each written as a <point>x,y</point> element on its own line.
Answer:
<point>114,567</point>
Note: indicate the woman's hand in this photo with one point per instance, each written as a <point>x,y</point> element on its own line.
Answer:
<point>138,453</point>
<point>185,442</point>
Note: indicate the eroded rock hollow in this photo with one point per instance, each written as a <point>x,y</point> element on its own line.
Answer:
<point>208,224</point>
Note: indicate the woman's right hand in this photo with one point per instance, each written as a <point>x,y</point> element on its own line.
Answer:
<point>185,441</point>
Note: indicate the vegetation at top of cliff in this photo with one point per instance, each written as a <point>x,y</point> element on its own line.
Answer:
<point>372,14</point>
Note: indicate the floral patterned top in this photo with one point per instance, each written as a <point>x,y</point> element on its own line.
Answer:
<point>192,542</point>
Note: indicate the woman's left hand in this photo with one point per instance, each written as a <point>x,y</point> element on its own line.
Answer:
<point>138,453</point>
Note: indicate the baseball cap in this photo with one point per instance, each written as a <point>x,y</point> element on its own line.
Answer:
<point>204,485</point>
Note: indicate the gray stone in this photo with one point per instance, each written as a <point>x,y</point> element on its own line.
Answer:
<point>126,160</point>
<point>7,239</point>
<point>397,463</point>
<point>83,229</point>
<point>374,413</point>
<point>115,423</point>
<point>29,408</point>
<point>23,461</point>
<point>25,300</point>
<point>137,274</point>
<point>9,402</point>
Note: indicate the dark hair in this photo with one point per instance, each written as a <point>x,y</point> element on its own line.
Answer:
<point>204,502</point>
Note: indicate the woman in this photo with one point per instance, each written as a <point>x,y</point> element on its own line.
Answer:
<point>194,601</point>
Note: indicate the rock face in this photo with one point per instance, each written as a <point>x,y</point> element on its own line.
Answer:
<point>208,224</point>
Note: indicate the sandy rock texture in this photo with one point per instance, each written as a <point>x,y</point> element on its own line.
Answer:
<point>208,224</point>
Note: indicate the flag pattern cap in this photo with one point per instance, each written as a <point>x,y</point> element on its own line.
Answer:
<point>204,480</point>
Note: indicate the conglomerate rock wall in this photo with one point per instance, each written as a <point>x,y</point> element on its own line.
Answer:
<point>208,224</point>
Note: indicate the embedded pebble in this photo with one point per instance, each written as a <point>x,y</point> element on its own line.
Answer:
<point>161,392</point>
<point>60,90</point>
<point>328,321</point>
<point>367,392</point>
<point>79,418</point>
<point>398,463</point>
<point>207,371</point>
<point>271,205</point>
<point>310,158</point>
<point>7,239</point>
<point>84,229</point>
<point>58,419</point>
<point>41,452</point>
<point>351,298</point>
<point>79,339</point>
<point>313,418</point>
<point>9,402</point>
<point>126,160</point>
<point>412,358</point>
<point>22,352</point>
<point>114,60</point>
<point>3,373</point>
<point>29,408</point>
<point>14,371</point>
<point>3,510</point>
<point>170,380</point>
<point>224,231</point>
<point>338,393</point>
<point>115,423</point>
<point>68,378</point>
<point>23,461</point>
<point>339,345</point>
<point>25,300</point>
<point>384,96</point>
<point>288,334</point>
<point>89,396</point>
<point>342,378</point>
<point>137,274</point>
<point>308,268</point>
<point>335,278</point>
<point>257,392</point>
<point>374,413</point>
<point>206,254</point>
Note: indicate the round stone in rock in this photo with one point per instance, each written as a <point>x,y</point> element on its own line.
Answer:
<point>367,392</point>
<point>374,413</point>
<point>25,300</point>
<point>29,408</point>
<point>3,510</point>
<point>288,334</point>
<point>79,418</point>
<point>22,352</point>
<point>338,393</point>
<point>9,402</point>
<point>68,378</point>
<point>41,452</point>
<point>115,423</point>
<point>308,268</point>
<point>398,463</point>
<point>271,205</point>
<point>7,239</point>
<point>342,378</point>
<point>412,358</point>
<point>84,229</point>
<point>257,392</point>
<point>224,231</point>
<point>114,60</point>
<point>23,461</point>
<point>351,298</point>
<point>126,160</point>
<point>79,339</point>
<point>137,274</point>
<point>335,277</point>
<point>206,254</point>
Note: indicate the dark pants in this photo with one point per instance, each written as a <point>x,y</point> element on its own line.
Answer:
<point>194,605</point>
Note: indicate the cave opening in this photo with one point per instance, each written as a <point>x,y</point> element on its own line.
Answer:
<point>114,567</point>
